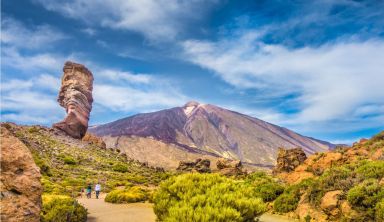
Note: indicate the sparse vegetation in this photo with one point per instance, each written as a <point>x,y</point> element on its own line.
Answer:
<point>359,179</point>
<point>340,178</point>
<point>66,169</point>
<point>60,208</point>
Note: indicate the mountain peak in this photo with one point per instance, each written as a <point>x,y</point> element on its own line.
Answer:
<point>198,130</point>
<point>191,103</point>
<point>190,106</point>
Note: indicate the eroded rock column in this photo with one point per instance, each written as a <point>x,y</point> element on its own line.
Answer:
<point>76,97</point>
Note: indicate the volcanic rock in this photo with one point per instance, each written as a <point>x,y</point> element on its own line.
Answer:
<point>229,167</point>
<point>226,163</point>
<point>76,97</point>
<point>19,181</point>
<point>200,165</point>
<point>92,139</point>
<point>289,159</point>
<point>329,202</point>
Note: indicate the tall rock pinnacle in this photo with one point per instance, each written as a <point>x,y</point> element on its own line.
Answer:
<point>76,97</point>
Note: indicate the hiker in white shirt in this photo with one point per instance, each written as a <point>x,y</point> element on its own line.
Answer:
<point>97,190</point>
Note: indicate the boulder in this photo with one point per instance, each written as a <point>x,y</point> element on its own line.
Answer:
<point>76,97</point>
<point>330,201</point>
<point>227,163</point>
<point>199,165</point>
<point>19,181</point>
<point>92,139</point>
<point>229,167</point>
<point>289,159</point>
<point>305,209</point>
<point>347,211</point>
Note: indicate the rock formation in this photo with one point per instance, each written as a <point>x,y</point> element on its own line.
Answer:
<point>92,139</point>
<point>200,165</point>
<point>19,181</point>
<point>76,97</point>
<point>288,160</point>
<point>229,167</point>
<point>330,202</point>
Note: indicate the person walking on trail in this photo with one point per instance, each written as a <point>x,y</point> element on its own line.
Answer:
<point>97,190</point>
<point>89,190</point>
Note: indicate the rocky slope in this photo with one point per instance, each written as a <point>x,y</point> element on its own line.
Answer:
<point>76,97</point>
<point>67,165</point>
<point>19,181</point>
<point>201,131</point>
<point>315,165</point>
<point>346,184</point>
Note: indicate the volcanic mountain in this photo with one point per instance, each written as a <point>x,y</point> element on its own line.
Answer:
<point>165,137</point>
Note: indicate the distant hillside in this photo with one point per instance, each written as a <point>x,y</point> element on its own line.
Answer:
<point>195,130</point>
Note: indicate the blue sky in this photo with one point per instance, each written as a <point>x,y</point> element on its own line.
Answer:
<point>316,67</point>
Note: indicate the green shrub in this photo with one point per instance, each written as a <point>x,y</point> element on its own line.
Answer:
<point>206,197</point>
<point>33,129</point>
<point>338,178</point>
<point>373,169</point>
<point>59,208</point>
<point>269,191</point>
<point>265,186</point>
<point>120,168</point>
<point>379,214</point>
<point>286,202</point>
<point>69,160</point>
<point>289,200</point>
<point>42,164</point>
<point>128,195</point>
<point>378,137</point>
<point>50,187</point>
<point>366,195</point>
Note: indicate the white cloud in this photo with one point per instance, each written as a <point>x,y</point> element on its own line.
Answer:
<point>32,62</point>
<point>333,80</point>
<point>129,77</point>
<point>156,19</point>
<point>16,34</point>
<point>30,101</point>
<point>25,48</point>
<point>130,99</point>
<point>89,31</point>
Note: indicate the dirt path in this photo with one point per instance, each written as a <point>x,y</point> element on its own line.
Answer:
<point>100,211</point>
<point>275,218</point>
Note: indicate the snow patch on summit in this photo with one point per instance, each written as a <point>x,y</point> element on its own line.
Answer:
<point>189,107</point>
